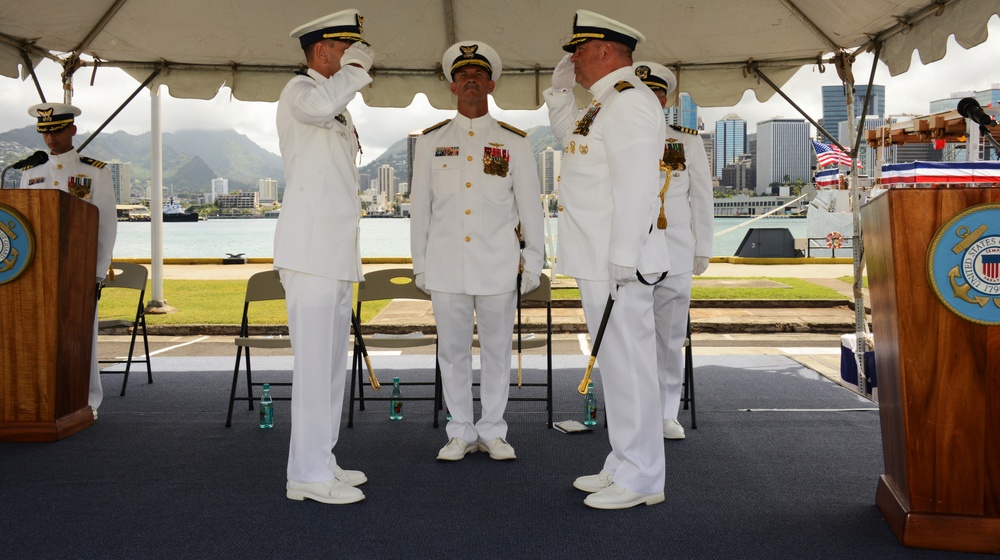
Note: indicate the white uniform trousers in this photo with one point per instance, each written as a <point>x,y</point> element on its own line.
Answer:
<point>627,359</point>
<point>319,321</point>
<point>494,316</point>
<point>95,395</point>
<point>671,301</point>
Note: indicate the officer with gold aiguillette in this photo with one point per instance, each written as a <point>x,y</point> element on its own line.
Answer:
<point>686,211</point>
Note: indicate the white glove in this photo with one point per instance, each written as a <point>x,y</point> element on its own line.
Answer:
<point>358,53</point>
<point>564,74</point>
<point>621,275</point>
<point>529,281</point>
<point>418,281</point>
<point>700,265</point>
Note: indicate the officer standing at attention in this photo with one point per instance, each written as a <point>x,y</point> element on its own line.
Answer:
<point>609,179</point>
<point>474,181</point>
<point>86,178</point>
<point>688,210</point>
<point>316,248</point>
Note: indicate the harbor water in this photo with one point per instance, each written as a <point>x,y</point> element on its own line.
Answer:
<point>380,237</point>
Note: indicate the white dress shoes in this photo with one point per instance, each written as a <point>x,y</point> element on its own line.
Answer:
<point>328,492</point>
<point>594,482</point>
<point>618,497</point>
<point>350,478</point>
<point>456,449</point>
<point>672,429</point>
<point>498,448</point>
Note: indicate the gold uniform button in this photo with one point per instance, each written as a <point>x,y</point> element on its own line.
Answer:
<point>472,133</point>
<point>468,211</point>
<point>445,165</point>
<point>560,208</point>
<point>467,239</point>
<point>470,158</point>
<point>56,183</point>
<point>59,166</point>
<point>468,185</point>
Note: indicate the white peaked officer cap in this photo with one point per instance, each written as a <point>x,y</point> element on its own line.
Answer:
<point>655,76</point>
<point>345,25</point>
<point>53,117</point>
<point>476,53</point>
<point>588,26</point>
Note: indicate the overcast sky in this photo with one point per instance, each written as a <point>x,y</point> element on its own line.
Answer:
<point>961,70</point>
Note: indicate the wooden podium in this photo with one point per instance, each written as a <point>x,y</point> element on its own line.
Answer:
<point>47,319</point>
<point>938,378</point>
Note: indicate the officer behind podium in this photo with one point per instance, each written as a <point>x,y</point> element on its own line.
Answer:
<point>474,180</point>
<point>609,180</point>
<point>687,207</point>
<point>316,249</point>
<point>83,177</point>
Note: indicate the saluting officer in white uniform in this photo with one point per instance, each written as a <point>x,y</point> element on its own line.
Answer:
<point>316,248</point>
<point>687,207</point>
<point>474,181</point>
<point>609,180</point>
<point>86,178</point>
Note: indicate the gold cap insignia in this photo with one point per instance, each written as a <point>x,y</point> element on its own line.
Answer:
<point>470,51</point>
<point>45,115</point>
<point>642,72</point>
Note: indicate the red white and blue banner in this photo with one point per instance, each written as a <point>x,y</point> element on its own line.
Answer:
<point>828,178</point>
<point>941,172</point>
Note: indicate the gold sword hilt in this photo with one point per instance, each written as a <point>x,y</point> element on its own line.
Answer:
<point>582,389</point>
<point>371,375</point>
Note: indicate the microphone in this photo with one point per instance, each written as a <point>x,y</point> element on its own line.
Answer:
<point>970,109</point>
<point>34,159</point>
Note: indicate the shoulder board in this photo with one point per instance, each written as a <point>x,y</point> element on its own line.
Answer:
<point>91,161</point>
<point>303,73</point>
<point>684,129</point>
<point>513,129</point>
<point>623,85</point>
<point>435,127</point>
<point>27,167</point>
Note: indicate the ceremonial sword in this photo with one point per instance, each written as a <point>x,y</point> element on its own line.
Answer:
<point>582,389</point>
<point>364,351</point>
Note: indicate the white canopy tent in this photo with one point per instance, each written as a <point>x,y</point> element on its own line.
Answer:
<point>717,48</point>
<point>713,45</point>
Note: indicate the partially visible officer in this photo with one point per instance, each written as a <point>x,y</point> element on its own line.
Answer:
<point>86,178</point>
<point>474,181</point>
<point>316,247</point>
<point>609,180</point>
<point>688,210</point>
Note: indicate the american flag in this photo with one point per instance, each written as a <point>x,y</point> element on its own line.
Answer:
<point>831,155</point>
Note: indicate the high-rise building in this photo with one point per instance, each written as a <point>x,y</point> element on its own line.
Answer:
<point>738,175</point>
<point>835,105</point>
<point>865,154</point>
<point>784,152</point>
<point>752,153</point>
<point>684,113</point>
<point>549,166</point>
<point>220,186</point>
<point>364,182</point>
<point>268,189</point>
<point>387,181</point>
<point>411,146</point>
<point>121,179</point>
<point>730,141</point>
<point>708,138</point>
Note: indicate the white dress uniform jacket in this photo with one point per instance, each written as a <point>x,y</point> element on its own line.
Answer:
<point>610,176</point>
<point>317,232</point>
<point>688,204</point>
<point>462,218</point>
<point>606,213</point>
<point>57,173</point>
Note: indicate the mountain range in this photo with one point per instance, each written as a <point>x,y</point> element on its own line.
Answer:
<point>193,158</point>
